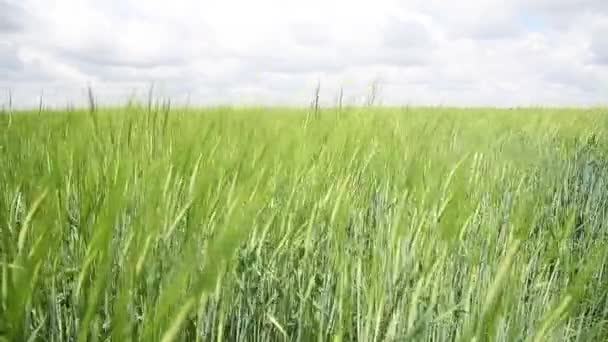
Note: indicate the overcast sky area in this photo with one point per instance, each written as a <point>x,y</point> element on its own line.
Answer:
<point>420,52</point>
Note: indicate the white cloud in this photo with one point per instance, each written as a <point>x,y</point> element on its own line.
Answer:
<point>11,18</point>
<point>473,52</point>
<point>599,45</point>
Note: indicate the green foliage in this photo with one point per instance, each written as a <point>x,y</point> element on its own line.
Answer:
<point>377,224</point>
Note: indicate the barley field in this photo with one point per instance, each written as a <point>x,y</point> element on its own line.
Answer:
<point>144,223</point>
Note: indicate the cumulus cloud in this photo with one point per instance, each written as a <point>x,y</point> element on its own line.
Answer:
<point>9,61</point>
<point>11,17</point>
<point>599,46</point>
<point>474,52</point>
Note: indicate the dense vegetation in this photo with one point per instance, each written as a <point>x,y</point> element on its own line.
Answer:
<point>370,224</point>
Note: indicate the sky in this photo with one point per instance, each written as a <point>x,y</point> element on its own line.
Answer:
<point>275,52</point>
